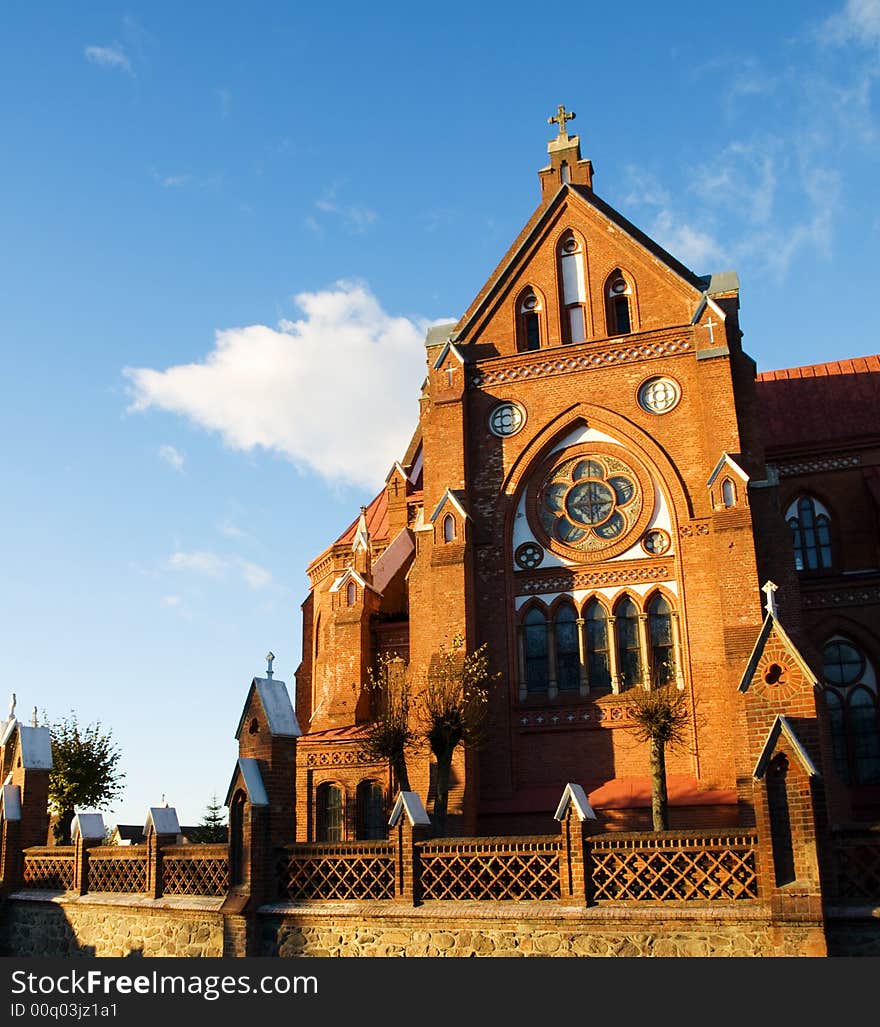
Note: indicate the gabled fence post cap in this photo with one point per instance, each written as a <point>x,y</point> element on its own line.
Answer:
<point>411,804</point>
<point>574,794</point>
<point>87,826</point>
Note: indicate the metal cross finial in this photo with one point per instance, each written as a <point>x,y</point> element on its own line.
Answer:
<point>34,722</point>
<point>270,656</point>
<point>12,706</point>
<point>770,605</point>
<point>560,117</point>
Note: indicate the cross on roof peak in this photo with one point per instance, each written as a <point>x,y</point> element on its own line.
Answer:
<point>560,118</point>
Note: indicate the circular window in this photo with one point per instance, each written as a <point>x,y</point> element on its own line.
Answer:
<point>588,501</point>
<point>659,395</point>
<point>507,419</point>
<point>529,555</point>
<point>656,542</point>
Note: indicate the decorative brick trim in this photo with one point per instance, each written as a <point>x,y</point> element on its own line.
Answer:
<point>790,468</point>
<point>567,363</point>
<point>559,580</point>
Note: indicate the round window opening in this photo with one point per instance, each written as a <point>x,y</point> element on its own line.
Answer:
<point>590,503</point>
<point>659,395</point>
<point>507,419</point>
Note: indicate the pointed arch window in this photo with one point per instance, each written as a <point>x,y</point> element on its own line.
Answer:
<point>618,308</point>
<point>448,528</point>
<point>570,260</point>
<point>853,709</point>
<point>598,653</point>
<point>528,321</point>
<point>661,643</point>
<point>568,664</point>
<point>629,650</point>
<point>810,525</point>
<point>535,650</point>
<point>329,813</point>
<point>728,493</point>
<point>351,594</point>
<point>370,810</point>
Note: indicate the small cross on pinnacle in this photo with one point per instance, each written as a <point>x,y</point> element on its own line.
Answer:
<point>770,605</point>
<point>560,118</point>
<point>270,656</point>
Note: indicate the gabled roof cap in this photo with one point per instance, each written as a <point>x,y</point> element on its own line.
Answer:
<point>276,705</point>
<point>410,804</point>
<point>574,795</point>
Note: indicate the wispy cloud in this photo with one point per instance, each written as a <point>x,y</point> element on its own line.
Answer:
<point>172,456</point>
<point>212,565</point>
<point>356,218</point>
<point>112,56</point>
<point>858,21</point>
<point>310,389</point>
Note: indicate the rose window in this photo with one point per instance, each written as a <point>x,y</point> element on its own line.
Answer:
<point>590,503</point>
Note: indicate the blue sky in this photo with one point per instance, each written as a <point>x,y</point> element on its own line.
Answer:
<point>223,231</point>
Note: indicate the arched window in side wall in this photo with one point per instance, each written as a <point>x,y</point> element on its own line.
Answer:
<point>810,525</point>
<point>351,594</point>
<point>854,712</point>
<point>629,651</point>
<point>618,309</point>
<point>568,664</point>
<point>448,528</point>
<point>728,493</point>
<point>528,321</point>
<point>570,260</point>
<point>661,645</point>
<point>598,654</point>
<point>535,650</point>
<point>370,810</point>
<point>329,810</point>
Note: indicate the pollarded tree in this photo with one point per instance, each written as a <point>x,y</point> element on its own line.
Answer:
<point>660,718</point>
<point>85,772</point>
<point>389,733</point>
<point>453,711</point>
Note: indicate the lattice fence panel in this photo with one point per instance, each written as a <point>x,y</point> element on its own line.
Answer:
<point>490,870</point>
<point>857,868</point>
<point>626,869</point>
<point>195,873</point>
<point>327,872</point>
<point>115,873</point>
<point>52,870</point>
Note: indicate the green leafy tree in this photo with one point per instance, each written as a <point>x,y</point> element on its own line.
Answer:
<point>85,772</point>
<point>389,733</point>
<point>212,828</point>
<point>454,710</point>
<point>660,717</point>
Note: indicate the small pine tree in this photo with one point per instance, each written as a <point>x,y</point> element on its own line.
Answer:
<point>212,829</point>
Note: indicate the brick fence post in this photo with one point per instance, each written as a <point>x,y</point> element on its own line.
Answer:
<point>80,866</point>
<point>11,859</point>
<point>412,822</point>
<point>576,820</point>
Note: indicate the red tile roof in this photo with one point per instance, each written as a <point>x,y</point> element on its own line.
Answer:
<point>820,404</point>
<point>377,521</point>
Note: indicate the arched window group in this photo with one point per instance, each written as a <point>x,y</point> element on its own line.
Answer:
<point>337,819</point>
<point>851,698</point>
<point>576,322</point>
<point>810,525</point>
<point>598,648</point>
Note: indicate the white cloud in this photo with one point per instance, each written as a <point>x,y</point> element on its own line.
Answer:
<point>212,565</point>
<point>172,456</point>
<point>335,392</point>
<point>109,57</point>
<point>858,20</point>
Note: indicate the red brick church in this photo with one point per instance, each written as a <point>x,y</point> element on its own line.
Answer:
<point>604,489</point>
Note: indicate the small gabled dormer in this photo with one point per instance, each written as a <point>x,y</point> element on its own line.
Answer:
<point>447,374</point>
<point>728,485</point>
<point>449,520</point>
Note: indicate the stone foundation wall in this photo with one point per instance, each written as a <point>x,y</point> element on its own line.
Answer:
<point>110,926</point>
<point>64,926</point>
